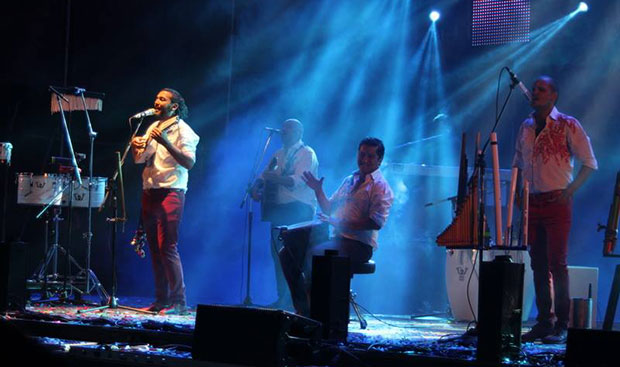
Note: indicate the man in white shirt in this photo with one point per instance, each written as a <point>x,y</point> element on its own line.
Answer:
<point>357,211</point>
<point>547,144</point>
<point>168,151</point>
<point>285,199</point>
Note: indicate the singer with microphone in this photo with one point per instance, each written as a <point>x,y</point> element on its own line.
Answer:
<point>168,152</point>
<point>547,143</point>
<point>285,198</point>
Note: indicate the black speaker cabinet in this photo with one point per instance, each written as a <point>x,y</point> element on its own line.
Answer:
<point>592,348</point>
<point>500,300</point>
<point>249,336</point>
<point>329,301</point>
<point>12,276</point>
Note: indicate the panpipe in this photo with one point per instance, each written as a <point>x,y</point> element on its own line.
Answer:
<point>463,231</point>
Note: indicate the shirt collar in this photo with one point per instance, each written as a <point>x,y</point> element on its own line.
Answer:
<point>376,174</point>
<point>553,114</point>
<point>295,146</point>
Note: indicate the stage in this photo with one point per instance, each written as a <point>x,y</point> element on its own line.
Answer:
<point>122,337</point>
<point>435,81</point>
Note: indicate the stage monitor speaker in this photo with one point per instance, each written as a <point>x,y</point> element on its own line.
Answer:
<point>592,348</point>
<point>329,301</point>
<point>499,309</point>
<point>250,336</point>
<point>12,276</point>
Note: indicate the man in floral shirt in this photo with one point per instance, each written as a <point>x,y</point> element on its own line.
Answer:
<point>547,144</point>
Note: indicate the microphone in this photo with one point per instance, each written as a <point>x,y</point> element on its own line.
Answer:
<point>516,82</point>
<point>78,90</point>
<point>272,130</point>
<point>149,112</point>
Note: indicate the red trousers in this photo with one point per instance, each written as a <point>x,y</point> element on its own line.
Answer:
<point>549,226</point>
<point>162,210</point>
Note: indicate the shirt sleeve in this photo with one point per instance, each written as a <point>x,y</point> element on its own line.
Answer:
<point>579,144</point>
<point>381,199</point>
<point>188,141</point>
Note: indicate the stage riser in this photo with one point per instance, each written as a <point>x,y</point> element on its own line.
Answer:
<point>101,334</point>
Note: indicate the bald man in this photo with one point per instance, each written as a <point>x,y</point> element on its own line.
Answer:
<point>284,196</point>
<point>547,144</point>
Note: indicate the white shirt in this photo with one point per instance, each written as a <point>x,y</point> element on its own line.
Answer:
<point>292,162</point>
<point>161,169</point>
<point>373,199</point>
<point>546,160</point>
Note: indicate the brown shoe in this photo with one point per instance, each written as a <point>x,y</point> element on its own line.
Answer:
<point>176,309</point>
<point>155,307</point>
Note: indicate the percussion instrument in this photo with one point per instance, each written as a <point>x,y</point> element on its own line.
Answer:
<point>5,152</point>
<point>40,189</point>
<point>462,291</point>
<point>80,193</point>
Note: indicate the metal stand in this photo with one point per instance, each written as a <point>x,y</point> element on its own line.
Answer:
<point>247,201</point>
<point>51,257</point>
<point>116,186</point>
<point>5,162</point>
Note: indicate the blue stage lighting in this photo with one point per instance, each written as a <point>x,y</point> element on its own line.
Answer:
<point>434,15</point>
<point>582,7</point>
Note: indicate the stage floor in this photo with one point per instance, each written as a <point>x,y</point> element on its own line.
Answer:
<point>401,338</point>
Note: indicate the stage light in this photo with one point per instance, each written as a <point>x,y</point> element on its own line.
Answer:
<point>582,7</point>
<point>434,15</point>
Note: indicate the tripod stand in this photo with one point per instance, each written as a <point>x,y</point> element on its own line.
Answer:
<point>51,257</point>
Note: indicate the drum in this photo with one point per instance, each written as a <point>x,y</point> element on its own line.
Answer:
<point>460,264</point>
<point>40,190</point>
<point>5,152</point>
<point>80,193</point>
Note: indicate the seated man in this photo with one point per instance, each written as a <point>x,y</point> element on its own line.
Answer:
<point>357,210</point>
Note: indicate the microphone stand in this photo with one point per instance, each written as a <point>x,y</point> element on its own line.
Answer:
<point>125,152</point>
<point>117,185</point>
<point>89,274</point>
<point>247,201</point>
<point>76,171</point>
<point>479,169</point>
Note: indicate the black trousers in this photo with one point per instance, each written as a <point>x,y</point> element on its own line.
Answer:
<point>284,214</point>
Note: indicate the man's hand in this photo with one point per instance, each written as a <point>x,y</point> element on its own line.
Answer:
<point>138,142</point>
<point>329,219</point>
<point>565,197</point>
<point>160,136</point>
<point>312,181</point>
<point>256,191</point>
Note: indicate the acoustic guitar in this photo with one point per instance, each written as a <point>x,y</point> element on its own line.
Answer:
<point>269,199</point>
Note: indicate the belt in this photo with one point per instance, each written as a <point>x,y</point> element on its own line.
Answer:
<point>546,195</point>
<point>165,189</point>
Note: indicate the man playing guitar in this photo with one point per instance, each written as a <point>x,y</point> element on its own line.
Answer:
<point>168,151</point>
<point>285,198</point>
